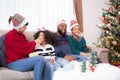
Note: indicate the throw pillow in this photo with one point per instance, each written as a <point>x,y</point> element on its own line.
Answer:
<point>2,52</point>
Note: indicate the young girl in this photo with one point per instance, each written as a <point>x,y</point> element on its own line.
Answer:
<point>77,43</point>
<point>46,47</point>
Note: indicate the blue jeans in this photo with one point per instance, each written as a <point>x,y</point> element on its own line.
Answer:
<point>63,61</point>
<point>54,66</point>
<point>80,58</point>
<point>42,70</point>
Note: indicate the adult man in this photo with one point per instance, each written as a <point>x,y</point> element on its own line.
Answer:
<point>63,50</point>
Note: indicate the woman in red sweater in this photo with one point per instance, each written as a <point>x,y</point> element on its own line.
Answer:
<point>17,49</point>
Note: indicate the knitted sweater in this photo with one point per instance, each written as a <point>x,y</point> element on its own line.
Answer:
<point>47,51</point>
<point>77,46</point>
<point>16,46</point>
<point>62,48</point>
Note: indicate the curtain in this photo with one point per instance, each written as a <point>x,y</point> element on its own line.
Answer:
<point>39,13</point>
<point>78,12</point>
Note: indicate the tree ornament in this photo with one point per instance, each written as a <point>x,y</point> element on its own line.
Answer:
<point>110,9</point>
<point>107,43</point>
<point>100,25</point>
<point>118,45</point>
<point>114,42</point>
<point>111,48</point>
<point>115,6</point>
<point>105,21</point>
<point>116,33</point>
<point>116,63</point>
<point>104,17</point>
<point>102,34</point>
<point>119,12</point>
<point>107,32</point>
<point>104,14</point>
<point>119,55</point>
<point>92,68</point>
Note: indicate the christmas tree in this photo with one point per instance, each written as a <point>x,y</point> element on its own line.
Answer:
<point>93,58</point>
<point>83,67</point>
<point>110,30</point>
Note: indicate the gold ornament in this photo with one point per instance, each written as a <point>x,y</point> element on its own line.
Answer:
<point>119,55</point>
<point>114,42</point>
<point>119,12</point>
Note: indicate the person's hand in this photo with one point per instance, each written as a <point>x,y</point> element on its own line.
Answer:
<point>69,58</point>
<point>84,54</point>
<point>38,41</point>
<point>51,60</point>
<point>88,54</point>
<point>89,48</point>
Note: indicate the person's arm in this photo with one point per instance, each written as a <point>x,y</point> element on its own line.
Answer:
<point>85,50</point>
<point>89,48</point>
<point>59,53</point>
<point>84,47</point>
<point>18,45</point>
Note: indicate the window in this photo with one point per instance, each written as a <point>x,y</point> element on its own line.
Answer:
<point>38,12</point>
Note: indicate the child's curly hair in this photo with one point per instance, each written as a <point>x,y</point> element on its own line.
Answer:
<point>48,35</point>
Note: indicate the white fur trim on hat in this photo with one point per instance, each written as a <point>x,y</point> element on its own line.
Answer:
<point>41,28</point>
<point>21,25</point>
<point>62,21</point>
<point>76,24</point>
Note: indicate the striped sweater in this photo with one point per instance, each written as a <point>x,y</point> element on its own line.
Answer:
<point>47,51</point>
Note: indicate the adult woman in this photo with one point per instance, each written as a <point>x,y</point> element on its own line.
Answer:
<point>17,49</point>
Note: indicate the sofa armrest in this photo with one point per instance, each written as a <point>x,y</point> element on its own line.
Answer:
<point>102,53</point>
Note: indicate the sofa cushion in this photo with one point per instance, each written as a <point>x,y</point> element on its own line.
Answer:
<point>2,52</point>
<point>8,74</point>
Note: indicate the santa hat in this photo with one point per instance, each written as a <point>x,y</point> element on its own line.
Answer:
<point>73,24</point>
<point>18,21</point>
<point>41,28</point>
<point>60,22</point>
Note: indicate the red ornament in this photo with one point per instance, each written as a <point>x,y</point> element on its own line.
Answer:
<point>119,45</point>
<point>105,21</point>
<point>92,68</point>
<point>110,8</point>
<point>115,6</point>
<point>104,17</point>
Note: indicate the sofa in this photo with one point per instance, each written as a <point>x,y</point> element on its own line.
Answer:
<point>8,74</point>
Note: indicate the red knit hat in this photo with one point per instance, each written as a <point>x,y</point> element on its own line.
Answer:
<point>73,24</point>
<point>60,22</point>
<point>18,21</point>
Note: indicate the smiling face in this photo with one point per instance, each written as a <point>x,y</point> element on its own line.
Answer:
<point>62,29</point>
<point>22,29</point>
<point>76,31</point>
<point>42,37</point>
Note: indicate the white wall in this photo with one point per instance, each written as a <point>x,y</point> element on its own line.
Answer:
<point>92,9</point>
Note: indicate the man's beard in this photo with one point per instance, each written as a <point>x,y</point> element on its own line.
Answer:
<point>61,33</point>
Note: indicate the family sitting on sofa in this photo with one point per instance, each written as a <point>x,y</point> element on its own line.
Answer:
<point>47,52</point>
